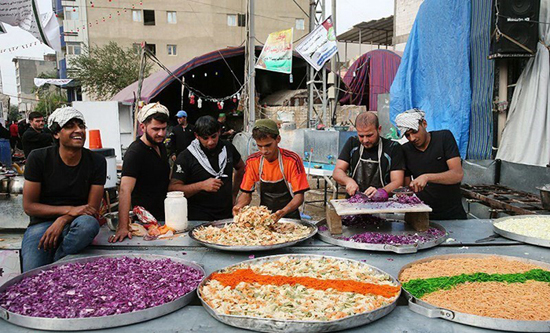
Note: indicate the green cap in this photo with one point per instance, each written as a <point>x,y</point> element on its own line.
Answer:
<point>221,115</point>
<point>267,126</point>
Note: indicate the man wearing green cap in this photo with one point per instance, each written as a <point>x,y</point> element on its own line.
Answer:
<point>280,172</point>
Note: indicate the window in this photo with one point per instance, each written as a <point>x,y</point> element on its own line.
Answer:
<point>231,20</point>
<point>152,48</point>
<point>241,18</point>
<point>171,17</point>
<point>71,13</point>
<point>136,15</point>
<point>136,47</point>
<point>300,24</point>
<point>172,49</point>
<point>74,48</point>
<point>148,17</point>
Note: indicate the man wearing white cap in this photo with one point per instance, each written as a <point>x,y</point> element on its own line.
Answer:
<point>62,192</point>
<point>145,170</point>
<point>433,161</point>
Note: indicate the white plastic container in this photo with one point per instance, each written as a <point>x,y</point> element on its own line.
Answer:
<point>175,211</point>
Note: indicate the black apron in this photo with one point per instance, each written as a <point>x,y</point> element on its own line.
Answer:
<point>276,195</point>
<point>368,172</point>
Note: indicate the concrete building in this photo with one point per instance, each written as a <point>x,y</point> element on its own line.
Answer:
<point>175,30</point>
<point>25,71</point>
<point>404,15</point>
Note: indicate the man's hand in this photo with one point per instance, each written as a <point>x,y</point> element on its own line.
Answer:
<point>120,234</point>
<point>371,191</point>
<point>173,157</point>
<point>419,183</point>
<point>231,131</point>
<point>51,237</point>
<point>279,215</point>
<point>82,210</point>
<point>236,210</point>
<point>212,185</point>
<point>352,187</point>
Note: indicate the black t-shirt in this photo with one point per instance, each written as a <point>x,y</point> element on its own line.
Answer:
<point>63,185</point>
<point>152,174</point>
<point>208,206</point>
<point>445,200</point>
<point>34,140</point>
<point>392,156</point>
<point>180,138</point>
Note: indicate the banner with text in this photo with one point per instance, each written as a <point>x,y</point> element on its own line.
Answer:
<point>276,55</point>
<point>319,45</point>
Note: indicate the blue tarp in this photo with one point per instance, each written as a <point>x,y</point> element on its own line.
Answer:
<point>434,74</point>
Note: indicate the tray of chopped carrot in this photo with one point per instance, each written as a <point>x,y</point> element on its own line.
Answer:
<point>299,293</point>
<point>483,290</point>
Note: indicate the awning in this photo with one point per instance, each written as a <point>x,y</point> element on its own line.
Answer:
<point>375,32</point>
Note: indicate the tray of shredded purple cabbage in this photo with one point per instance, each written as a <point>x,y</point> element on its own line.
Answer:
<point>370,232</point>
<point>120,290</point>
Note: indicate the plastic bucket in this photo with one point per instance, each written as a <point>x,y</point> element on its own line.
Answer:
<point>95,139</point>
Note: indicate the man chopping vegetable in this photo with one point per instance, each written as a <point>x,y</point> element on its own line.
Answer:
<point>204,172</point>
<point>145,170</point>
<point>280,173</point>
<point>369,163</point>
<point>62,192</point>
<point>433,160</point>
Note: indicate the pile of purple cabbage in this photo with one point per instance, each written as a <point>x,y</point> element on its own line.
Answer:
<point>381,238</point>
<point>382,196</point>
<point>103,287</point>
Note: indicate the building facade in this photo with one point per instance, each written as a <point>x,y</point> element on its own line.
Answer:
<point>26,70</point>
<point>175,30</point>
<point>404,15</point>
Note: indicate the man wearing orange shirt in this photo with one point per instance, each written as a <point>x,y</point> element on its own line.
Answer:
<point>280,172</point>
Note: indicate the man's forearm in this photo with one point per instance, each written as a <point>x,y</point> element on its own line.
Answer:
<point>449,177</point>
<point>393,185</point>
<point>294,204</point>
<point>244,199</point>
<point>188,189</point>
<point>237,180</point>
<point>124,203</point>
<point>341,177</point>
<point>43,210</point>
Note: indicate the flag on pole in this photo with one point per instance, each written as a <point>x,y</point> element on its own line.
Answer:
<point>319,45</point>
<point>276,55</point>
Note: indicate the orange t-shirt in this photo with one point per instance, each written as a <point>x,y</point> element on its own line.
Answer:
<point>293,166</point>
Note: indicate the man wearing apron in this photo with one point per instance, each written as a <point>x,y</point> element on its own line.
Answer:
<point>369,162</point>
<point>280,172</point>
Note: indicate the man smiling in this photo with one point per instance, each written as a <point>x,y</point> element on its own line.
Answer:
<point>145,170</point>
<point>62,193</point>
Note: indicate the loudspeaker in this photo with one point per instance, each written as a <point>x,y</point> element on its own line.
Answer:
<point>514,30</point>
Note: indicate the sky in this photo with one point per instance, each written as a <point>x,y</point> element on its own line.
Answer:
<point>349,13</point>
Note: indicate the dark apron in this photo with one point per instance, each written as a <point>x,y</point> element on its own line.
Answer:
<point>276,195</point>
<point>368,172</point>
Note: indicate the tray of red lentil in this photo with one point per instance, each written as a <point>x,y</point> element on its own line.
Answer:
<point>99,292</point>
<point>299,293</point>
<point>483,290</point>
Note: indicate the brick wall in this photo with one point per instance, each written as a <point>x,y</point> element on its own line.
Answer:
<point>405,14</point>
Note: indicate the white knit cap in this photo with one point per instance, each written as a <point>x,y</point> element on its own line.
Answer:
<point>409,120</point>
<point>63,114</point>
<point>151,109</point>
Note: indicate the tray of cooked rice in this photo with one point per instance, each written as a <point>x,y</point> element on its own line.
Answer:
<point>299,293</point>
<point>483,290</point>
<point>530,229</point>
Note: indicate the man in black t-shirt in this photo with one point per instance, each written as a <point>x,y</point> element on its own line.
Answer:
<point>36,137</point>
<point>204,172</point>
<point>145,170</point>
<point>181,135</point>
<point>62,193</point>
<point>433,160</point>
<point>369,162</point>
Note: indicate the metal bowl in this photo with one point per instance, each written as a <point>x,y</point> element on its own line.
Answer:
<point>426,309</point>
<point>246,248</point>
<point>278,325</point>
<point>92,323</point>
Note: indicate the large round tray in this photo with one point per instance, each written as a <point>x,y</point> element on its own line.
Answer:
<point>93,323</point>
<point>389,227</point>
<point>430,311</point>
<point>518,237</point>
<point>278,325</point>
<point>243,248</point>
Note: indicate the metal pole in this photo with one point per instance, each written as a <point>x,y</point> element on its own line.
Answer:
<point>251,69</point>
<point>311,71</point>
<point>360,42</point>
<point>324,72</point>
<point>333,66</point>
<point>502,96</point>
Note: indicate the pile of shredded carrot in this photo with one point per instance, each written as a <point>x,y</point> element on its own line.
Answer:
<point>249,276</point>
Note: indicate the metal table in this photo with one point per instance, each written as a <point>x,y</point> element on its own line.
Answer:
<point>194,318</point>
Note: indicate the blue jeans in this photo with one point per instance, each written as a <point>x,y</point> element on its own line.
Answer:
<point>74,238</point>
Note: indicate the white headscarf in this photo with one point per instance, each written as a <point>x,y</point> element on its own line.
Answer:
<point>151,109</point>
<point>409,120</point>
<point>63,114</point>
